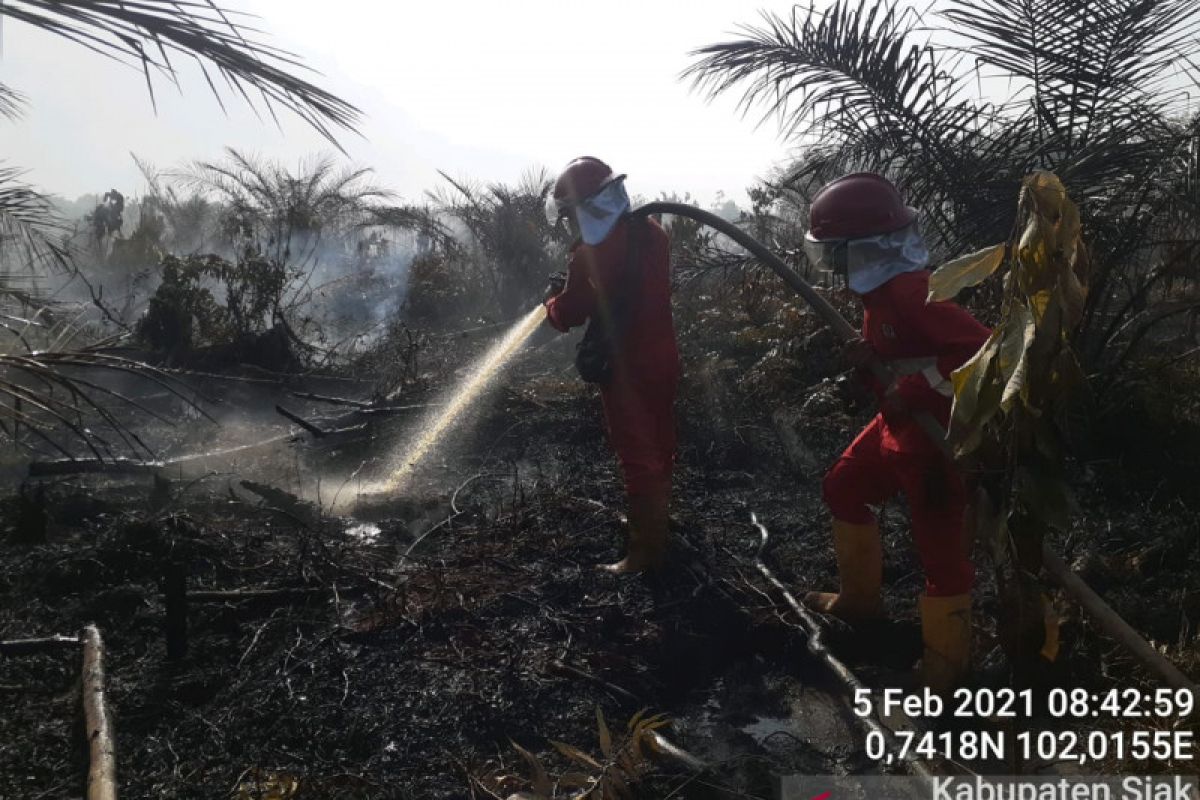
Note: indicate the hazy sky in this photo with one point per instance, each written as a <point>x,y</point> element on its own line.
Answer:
<point>477,88</point>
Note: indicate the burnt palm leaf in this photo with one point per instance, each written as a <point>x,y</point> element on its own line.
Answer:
<point>151,34</point>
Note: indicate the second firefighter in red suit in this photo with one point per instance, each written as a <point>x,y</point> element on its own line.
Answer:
<point>639,398</point>
<point>861,228</point>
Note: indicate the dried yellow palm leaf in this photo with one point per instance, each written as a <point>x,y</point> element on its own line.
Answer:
<point>1050,254</point>
<point>963,272</point>
<point>1014,356</point>
<point>972,405</point>
<point>1044,298</point>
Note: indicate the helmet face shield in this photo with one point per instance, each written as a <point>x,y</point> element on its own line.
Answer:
<point>906,244</point>
<point>870,261</point>
<point>832,255</point>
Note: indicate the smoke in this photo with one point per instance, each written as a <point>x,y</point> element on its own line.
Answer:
<point>347,289</point>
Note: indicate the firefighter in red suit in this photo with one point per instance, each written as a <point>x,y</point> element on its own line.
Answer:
<point>639,398</point>
<point>861,228</point>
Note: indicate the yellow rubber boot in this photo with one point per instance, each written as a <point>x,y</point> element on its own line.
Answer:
<point>859,554</point>
<point>946,630</point>
<point>648,523</point>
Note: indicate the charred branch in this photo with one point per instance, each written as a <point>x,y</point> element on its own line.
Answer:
<point>28,647</point>
<point>301,421</point>
<point>337,401</point>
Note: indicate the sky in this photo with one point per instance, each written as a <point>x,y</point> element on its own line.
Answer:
<point>479,89</point>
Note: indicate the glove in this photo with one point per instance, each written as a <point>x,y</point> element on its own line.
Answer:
<point>558,282</point>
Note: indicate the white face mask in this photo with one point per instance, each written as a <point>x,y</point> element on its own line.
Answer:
<point>596,215</point>
<point>599,213</point>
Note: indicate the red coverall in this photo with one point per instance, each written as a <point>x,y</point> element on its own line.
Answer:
<point>639,401</point>
<point>892,453</point>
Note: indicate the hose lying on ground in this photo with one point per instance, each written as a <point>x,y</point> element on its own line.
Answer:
<point>814,641</point>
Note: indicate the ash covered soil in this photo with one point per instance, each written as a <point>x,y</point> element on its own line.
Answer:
<point>446,622</point>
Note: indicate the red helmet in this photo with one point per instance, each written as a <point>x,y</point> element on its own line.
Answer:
<point>857,206</point>
<point>579,180</point>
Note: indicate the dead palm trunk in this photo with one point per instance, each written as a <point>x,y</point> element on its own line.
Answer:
<point>102,753</point>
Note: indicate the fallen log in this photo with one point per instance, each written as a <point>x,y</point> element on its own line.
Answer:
<point>102,758</point>
<point>45,644</point>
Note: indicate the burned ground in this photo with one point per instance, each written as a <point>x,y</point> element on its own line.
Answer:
<point>437,626</point>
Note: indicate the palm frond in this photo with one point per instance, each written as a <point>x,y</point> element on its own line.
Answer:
<point>1099,72</point>
<point>851,66</point>
<point>506,231</point>
<point>149,34</point>
<point>12,102</point>
<point>29,224</point>
<point>1080,55</point>
<point>47,393</point>
<point>423,220</point>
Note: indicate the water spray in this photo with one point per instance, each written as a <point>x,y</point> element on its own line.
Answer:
<point>481,375</point>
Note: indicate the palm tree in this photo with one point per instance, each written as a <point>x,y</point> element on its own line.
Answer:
<point>39,390</point>
<point>286,214</point>
<point>1096,93</point>
<point>508,231</point>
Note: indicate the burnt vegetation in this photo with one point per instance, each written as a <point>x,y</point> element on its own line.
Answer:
<point>198,383</point>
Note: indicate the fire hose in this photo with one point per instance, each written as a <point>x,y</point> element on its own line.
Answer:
<point>1102,614</point>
